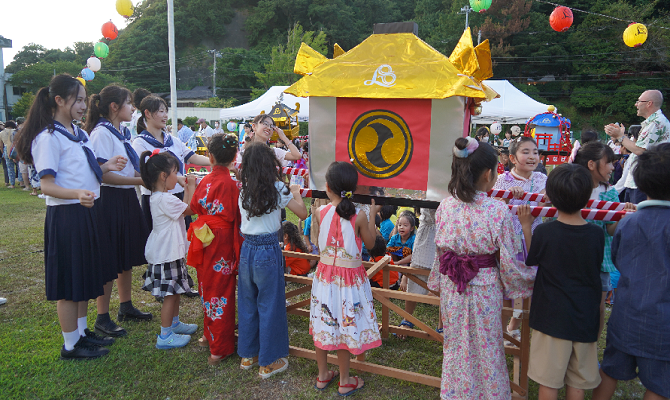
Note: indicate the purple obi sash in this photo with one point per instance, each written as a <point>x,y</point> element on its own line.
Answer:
<point>462,269</point>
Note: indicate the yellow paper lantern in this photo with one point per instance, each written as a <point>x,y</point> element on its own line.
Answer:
<point>80,79</point>
<point>124,7</point>
<point>635,35</point>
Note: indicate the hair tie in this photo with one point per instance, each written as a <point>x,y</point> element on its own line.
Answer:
<point>470,148</point>
<point>230,142</point>
<point>346,194</point>
<point>153,153</point>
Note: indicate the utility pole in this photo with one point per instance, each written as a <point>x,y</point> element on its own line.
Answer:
<point>216,55</point>
<point>466,10</point>
<point>173,68</point>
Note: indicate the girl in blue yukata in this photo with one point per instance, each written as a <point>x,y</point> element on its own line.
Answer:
<point>70,178</point>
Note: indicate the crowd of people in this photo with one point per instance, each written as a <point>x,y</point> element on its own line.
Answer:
<point>480,256</point>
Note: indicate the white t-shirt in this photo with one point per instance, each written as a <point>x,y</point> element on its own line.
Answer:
<point>595,193</point>
<point>167,241</point>
<point>54,154</point>
<point>206,132</point>
<point>270,222</point>
<point>178,148</point>
<point>106,146</point>
<point>279,153</point>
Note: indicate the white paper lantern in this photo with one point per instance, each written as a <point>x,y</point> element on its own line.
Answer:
<point>496,128</point>
<point>93,64</point>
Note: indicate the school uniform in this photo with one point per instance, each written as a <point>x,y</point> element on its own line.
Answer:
<point>71,240</point>
<point>125,229</point>
<point>146,142</point>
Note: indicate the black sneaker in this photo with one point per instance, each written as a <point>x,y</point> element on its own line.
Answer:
<point>134,315</point>
<point>95,340</point>
<point>109,328</point>
<point>82,351</point>
<point>192,294</point>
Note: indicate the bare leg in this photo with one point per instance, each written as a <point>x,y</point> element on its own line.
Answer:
<point>324,372</point>
<point>410,306</point>
<point>123,284</point>
<point>606,389</point>
<point>547,393</point>
<point>102,302</point>
<point>649,395</point>
<point>573,393</point>
<point>602,313</point>
<point>82,309</point>
<point>68,312</point>
<point>170,305</point>
<point>343,358</point>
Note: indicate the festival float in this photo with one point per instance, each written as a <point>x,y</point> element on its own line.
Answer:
<point>552,133</point>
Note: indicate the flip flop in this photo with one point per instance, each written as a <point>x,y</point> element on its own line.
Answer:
<point>334,375</point>
<point>350,385</point>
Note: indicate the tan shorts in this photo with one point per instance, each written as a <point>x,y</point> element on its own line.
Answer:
<point>413,287</point>
<point>556,362</point>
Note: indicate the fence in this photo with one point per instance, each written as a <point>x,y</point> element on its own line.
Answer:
<point>520,349</point>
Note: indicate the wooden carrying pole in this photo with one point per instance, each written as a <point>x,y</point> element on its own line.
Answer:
<point>519,351</point>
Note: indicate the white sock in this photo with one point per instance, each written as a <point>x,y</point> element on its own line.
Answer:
<point>71,338</point>
<point>82,324</point>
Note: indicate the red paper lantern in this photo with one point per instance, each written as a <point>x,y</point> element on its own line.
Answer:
<point>109,30</point>
<point>561,19</point>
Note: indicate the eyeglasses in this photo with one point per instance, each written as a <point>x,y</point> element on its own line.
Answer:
<point>267,124</point>
<point>642,101</point>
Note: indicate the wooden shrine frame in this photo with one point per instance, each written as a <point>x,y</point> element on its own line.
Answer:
<point>521,353</point>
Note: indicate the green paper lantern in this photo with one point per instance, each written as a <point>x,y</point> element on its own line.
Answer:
<point>101,50</point>
<point>480,5</point>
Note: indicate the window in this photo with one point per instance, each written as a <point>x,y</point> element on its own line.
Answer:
<point>18,91</point>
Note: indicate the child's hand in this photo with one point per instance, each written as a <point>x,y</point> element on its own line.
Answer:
<point>295,189</point>
<point>86,198</point>
<point>116,163</point>
<point>182,181</point>
<point>403,283</point>
<point>191,181</point>
<point>517,192</point>
<point>630,207</point>
<point>524,215</point>
<point>374,209</point>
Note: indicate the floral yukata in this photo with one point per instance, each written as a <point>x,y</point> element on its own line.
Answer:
<point>214,253</point>
<point>342,314</point>
<point>474,358</point>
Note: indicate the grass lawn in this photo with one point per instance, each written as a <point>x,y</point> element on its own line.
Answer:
<point>30,342</point>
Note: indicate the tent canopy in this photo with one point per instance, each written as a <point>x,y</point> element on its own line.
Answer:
<point>265,103</point>
<point>512,107</point>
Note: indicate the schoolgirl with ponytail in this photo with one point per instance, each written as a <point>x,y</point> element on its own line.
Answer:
<point>261,308</point>
<point>476,250</point>
<point>342,315</point>
<point>70,177</point>
<point>122,221</point>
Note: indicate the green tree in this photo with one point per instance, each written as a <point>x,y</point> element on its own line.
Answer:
<point>235,72</point>
<point>29,55</point>
<point>279,71</point>
<point>217,102</point>
<point>22,105</point>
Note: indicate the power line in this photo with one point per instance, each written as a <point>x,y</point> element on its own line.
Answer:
<point>593,13</point>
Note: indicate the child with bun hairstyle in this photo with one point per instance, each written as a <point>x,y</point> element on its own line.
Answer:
<point>472,228</point>
<point>70,177</point>
<point>342,314</point>
<point>215,248</point>
<point>166,247</point>
<point>122,221</point>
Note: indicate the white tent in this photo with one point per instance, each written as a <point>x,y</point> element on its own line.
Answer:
<point>512,107</point>
<point>264,103</point>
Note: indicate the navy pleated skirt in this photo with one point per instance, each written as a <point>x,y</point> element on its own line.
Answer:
<point>122,228</point>
<point>72,258</point>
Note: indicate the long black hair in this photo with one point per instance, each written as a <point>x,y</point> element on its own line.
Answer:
<point>342,179</point>
<point>152,104</point>
<point>594,151</point>
<point>260,171</point>
<point>466,171</point>
<point>41,112</point>
<point>151,167</point>
<point>98,105</point>
<point>294,238</point>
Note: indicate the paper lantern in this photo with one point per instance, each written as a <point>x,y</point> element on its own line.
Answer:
<point>124,7</point>
<point>87,74</point>
<point>81,80</point>
<point>635,35</point>
<point>496,128</point>
<point>480,5</point>
<point>232,126</point>
<point>109,31</point>
<point>101,50</point>
<point>93,64</point>
<point>561,19</point>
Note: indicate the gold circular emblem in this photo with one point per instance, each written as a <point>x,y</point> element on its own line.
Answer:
<point>380,144</point>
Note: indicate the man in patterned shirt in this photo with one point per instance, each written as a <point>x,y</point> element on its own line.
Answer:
<point>655,129</point>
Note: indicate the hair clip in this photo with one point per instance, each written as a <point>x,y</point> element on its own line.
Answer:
<point>346,194</point>
<point>230,142</point>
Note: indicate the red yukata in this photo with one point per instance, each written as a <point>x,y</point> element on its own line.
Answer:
<point>214,253</point>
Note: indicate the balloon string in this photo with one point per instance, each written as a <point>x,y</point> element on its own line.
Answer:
<point>592,13</point>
